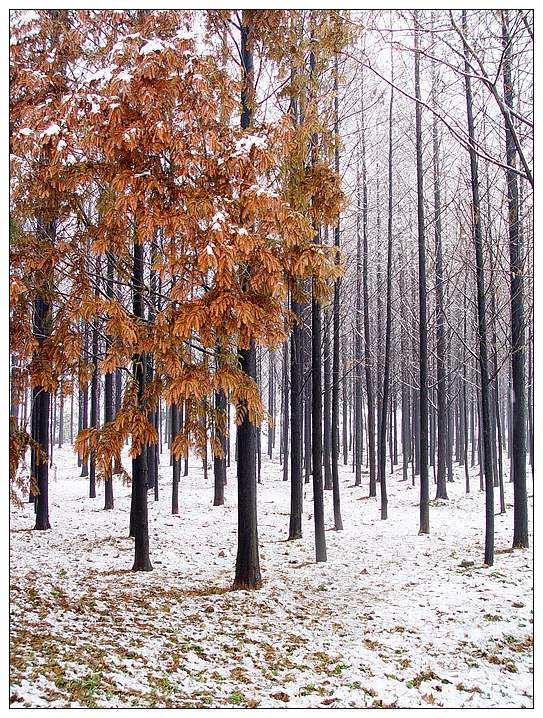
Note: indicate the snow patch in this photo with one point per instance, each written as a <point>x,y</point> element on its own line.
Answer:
<point>125,76</point>
<point>245,144</point>
<point>152,46</point>
<point>53,129</point>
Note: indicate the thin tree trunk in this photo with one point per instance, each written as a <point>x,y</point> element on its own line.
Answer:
<point>286,411</point>
<point>176,465</point>
<point>108,391</point>
<point>296,409</point>
<point>442,428</point>
<point>424,527</point>
<point>327,407</point>
<point>94,391</point>
<point>370,424</point>
<point>61,415</point>
<point>138,515</point>
<point>338,523</point>
<point>518,339</point>
<point>481,320</point>
<point>85,399</point>
<point>388,325</point>
<point>316,373</point>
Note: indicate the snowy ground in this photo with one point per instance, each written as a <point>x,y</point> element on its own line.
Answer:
<point>392,619</point>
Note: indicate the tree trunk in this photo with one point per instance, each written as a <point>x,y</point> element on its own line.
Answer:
<point>388,326</point>
<point>296,378</point>
<point>338,523</point>
<point>42,317</point>
<point>481,321</point>
<point>247,559</point>
<point>370,424</point>
<point>219,462</point>
<point>176,473</point>
<point>61,415</point>
<point>327,407</point>
<point>108,392</point>
<point>518,339</point>
<point>424,527</point>
<point>94,389</point>
<point>85,398</point>
<point>442,427</point>
<point>139,518</point>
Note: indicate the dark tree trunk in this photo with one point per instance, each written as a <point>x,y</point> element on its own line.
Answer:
<point>95,383</point>
<point>108,392</point>
<point>327,408</point>
<point>441,348</point>
<point>285,421</point>
<point>316,430</point>
<point>481,321</point>
<point>345,406</point>
<point>52,427</point>
<point>518,339</point>
<point>316,372</point>
<point>227,439</point>
<point>71,416</point>
<point>370,424</point>
<point>296,379</point>
<point>405,404</point>
<point>424,527</point>
<point>219,462</point>
<point>464,393</point>
<point>388,327</point>
<point>338,523</point>
<point>247,559</point>
<point>271,403</point>
<point>61,415</point>
<point>85,398</point>
<point>176,474</point>
<point>204,428</point>
<point>530,405</point>
<point>357,346</point>
<point>139,528</point>
<point>296,398</point>
<point>42,318</point>
<point>33,488</point>
<point>379,356</point>
<point>308,382</point>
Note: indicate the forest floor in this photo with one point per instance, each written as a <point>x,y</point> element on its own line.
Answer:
<point>392,619</point>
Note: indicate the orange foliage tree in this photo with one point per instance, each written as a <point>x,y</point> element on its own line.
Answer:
<point>131,150</point>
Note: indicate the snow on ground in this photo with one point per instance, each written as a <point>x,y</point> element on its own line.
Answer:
<point>392,619</point>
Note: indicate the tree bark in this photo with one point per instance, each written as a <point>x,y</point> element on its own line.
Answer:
<point>247,560</point>
<point>424,526</point>
<point>518,339</point>
<point>388,326</point>
<point>296,409</point>
<point>338,523</point>
<point>370,424</point>
<point>441,346</point>
<point>481,322</point>
<point>108,391</point>
<point>139,517</point>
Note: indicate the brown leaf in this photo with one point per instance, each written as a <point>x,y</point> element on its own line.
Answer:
<point>280,696</point>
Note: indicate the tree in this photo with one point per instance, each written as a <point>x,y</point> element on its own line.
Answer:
<point>518,340</point>
<point>441,346</point>
<point>481,323</point>
<point>388,325</point>
<point>424,526</point>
